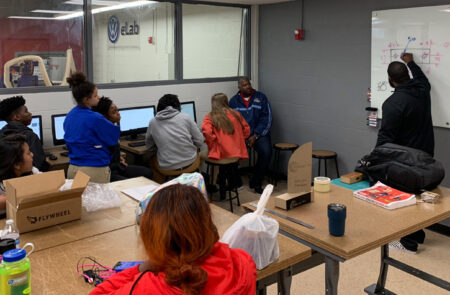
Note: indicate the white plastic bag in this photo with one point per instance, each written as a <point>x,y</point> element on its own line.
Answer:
<point>256,234</point>
<point>98,196</point>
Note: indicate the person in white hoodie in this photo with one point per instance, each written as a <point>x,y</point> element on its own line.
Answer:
<point>175,135</point>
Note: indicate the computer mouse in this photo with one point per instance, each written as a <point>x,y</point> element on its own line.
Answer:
<point>52,157</point>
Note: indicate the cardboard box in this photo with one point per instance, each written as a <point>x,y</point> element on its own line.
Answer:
<point>298,179</point>
<point>353,177</point>
<point>288,201</point>
<point>35,201</point>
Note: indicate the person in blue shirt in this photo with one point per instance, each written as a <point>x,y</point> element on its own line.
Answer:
<point>255,108</point>
<point>88,135</point>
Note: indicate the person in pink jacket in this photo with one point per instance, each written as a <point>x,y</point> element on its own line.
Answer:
<point>225,131</point>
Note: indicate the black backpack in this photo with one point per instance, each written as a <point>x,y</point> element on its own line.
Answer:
<point>404,168</point>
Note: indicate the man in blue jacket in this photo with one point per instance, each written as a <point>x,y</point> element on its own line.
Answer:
<point>255,108</point>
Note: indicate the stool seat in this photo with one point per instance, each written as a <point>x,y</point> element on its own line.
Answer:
<point>285,146</point>
<point>280,147</point>
<point>223,161</point>
<point>323,154</point>
<point>161,175</point>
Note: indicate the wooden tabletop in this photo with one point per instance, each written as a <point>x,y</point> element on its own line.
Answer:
<point>367,226</point>
<point>53,266</point>
<point>139,150</point>
<point>91,223</point>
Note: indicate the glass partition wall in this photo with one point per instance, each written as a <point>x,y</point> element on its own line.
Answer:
<point>124,41</point>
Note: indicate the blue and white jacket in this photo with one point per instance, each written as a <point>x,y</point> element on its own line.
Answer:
<point>258,114</point>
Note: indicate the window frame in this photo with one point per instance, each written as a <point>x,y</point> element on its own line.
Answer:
<point>178,4</point>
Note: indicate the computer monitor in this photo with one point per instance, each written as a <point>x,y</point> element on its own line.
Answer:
<point>58,129</point>
<point>36,126</point>
<point>134,121</point>
<point>188,107</point>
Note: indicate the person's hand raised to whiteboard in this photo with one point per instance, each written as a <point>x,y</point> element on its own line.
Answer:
<point>407,57</point>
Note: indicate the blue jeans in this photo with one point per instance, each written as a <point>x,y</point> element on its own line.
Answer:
<point>263,146</point>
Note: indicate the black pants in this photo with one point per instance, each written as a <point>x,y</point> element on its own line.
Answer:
<point>411,241</point>
<point>228,179</point>
<point>129,172</point>
<point>263,146</point>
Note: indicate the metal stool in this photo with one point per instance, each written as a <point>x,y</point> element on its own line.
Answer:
<point>280,147</point>
<point>229,167</point>
<point>325,155</point>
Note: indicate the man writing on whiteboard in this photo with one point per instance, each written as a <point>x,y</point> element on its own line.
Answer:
<point>407,112</point>
<point>407,121</point>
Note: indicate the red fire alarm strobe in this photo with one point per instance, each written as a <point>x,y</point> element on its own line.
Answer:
<point>298,34</point>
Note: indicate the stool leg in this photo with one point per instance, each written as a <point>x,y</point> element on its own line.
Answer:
<point>326,172</point>
<point>208,181</point>
<point>337,169</point>
<point>319,167</point>
<point>231,200</point>
<point>277,167</point>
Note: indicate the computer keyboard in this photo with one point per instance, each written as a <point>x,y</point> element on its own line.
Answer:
<point>136,143</point>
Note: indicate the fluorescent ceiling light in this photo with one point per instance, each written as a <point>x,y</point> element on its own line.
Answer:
<point>121,6</point>
<point>446,10</point>
<point>53,11</point>
<point>31,17</point>
<point>94,2</point>
<point>70,15</point>
<point>106,8</point>
<point>80,13</point>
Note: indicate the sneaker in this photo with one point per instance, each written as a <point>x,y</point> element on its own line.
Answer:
<point>396,245</point>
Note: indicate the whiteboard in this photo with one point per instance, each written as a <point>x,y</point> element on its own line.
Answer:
<point>427,30</point>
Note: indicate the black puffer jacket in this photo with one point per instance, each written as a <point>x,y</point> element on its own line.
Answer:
<point>407,114</point>
<point>33,141</point>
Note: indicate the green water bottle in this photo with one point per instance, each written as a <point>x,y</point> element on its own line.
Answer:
<point>15,272</point>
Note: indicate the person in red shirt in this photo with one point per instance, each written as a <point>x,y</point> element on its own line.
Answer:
<point>225,131</point>
<point>184,252</point>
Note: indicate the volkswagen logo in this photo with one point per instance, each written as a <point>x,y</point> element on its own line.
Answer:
<point>113,29</point>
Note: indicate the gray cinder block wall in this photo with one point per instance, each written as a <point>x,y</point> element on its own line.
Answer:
<point>317,87</point>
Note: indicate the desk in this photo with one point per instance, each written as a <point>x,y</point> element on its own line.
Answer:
<point>90,224</point>
<point>367,227</point>
<point>139,150</point>
<point>53,266</point>
<point>60,163</point>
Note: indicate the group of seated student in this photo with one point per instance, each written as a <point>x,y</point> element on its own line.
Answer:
<point>177,138</point>
<point>16,160</point>
<point>91,133</point>
<point>184,252</point>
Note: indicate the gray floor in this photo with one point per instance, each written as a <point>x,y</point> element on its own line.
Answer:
<point>362,271</point>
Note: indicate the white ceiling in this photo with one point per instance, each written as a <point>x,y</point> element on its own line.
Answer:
<point>249,2</point>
